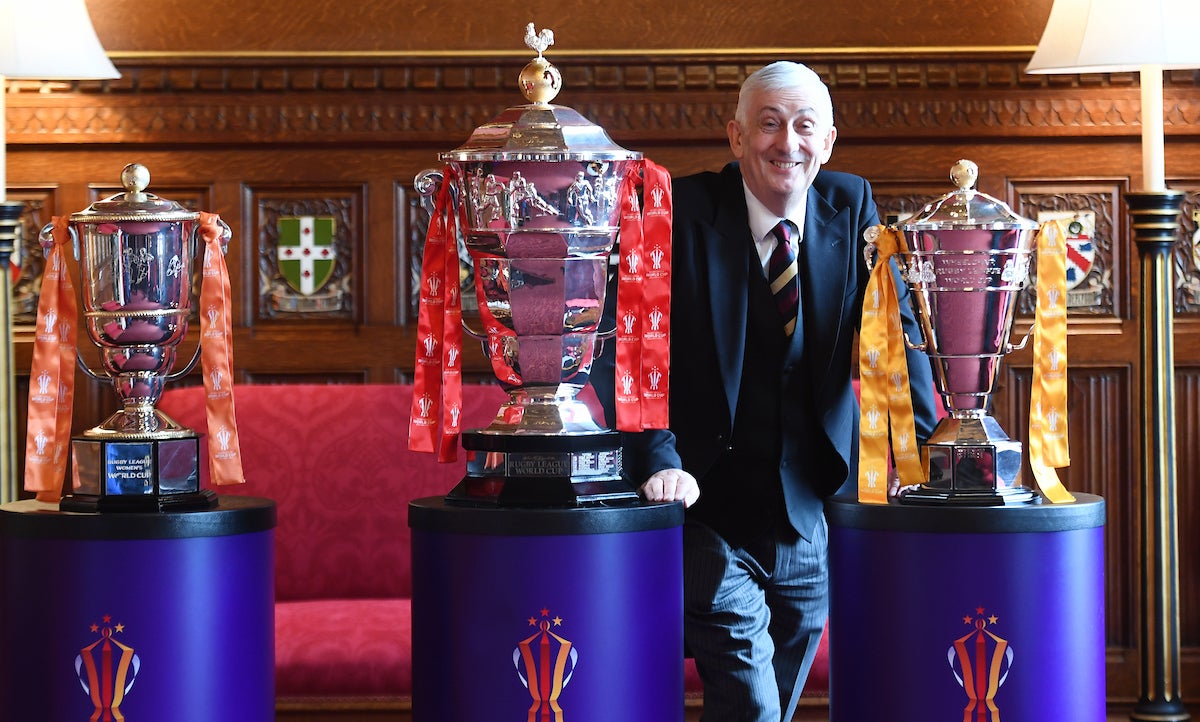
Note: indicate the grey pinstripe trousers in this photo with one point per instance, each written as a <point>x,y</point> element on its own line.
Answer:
<point>753,617</point>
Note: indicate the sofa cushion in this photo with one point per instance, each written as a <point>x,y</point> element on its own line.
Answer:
<point>343,648</point>
<point>335,459</point>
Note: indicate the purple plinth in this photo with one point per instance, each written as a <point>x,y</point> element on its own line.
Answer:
<point>183,601</point>
<point>580,607</point>
<point>971,614</point>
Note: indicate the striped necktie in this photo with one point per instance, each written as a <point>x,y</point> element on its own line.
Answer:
<point>781,272</point>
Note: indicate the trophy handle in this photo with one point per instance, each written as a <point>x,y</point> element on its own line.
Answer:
<point>481,337</point>
<point>226,236</point>
<point>427,184</point>
<point>472,332</point>
<point>46,239</point>
<point>870,250</point>
<point>602,336</point>
<point>1024,340</point>
<point>920,346</point>
<point>87,370</point>
<point>173,376</point>
<point>198,255</point>
<point>176,375</point>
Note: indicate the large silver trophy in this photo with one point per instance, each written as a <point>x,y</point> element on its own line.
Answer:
<point>537,188</point>
<point>137,254</point>
<point>965,258</point>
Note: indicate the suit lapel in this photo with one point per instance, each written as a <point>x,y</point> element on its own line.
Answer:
<point>824,260</point>
<point>726,254</point>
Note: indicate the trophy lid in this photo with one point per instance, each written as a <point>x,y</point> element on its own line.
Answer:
<point>539,131</point>
<point>135,204</point>
<point>966,208</point>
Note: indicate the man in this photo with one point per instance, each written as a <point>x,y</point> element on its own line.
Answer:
<point>764,421</point>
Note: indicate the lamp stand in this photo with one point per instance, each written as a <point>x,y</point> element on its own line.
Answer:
<point>1155,231</point>
<point>10,236</point>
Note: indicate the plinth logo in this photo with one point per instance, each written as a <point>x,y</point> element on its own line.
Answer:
<point>107,669</point>
<point>545,662</point>
<point>980,661</point>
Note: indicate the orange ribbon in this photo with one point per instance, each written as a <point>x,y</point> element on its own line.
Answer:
<point>216,357</point>
<point>437,376</point>
<point>643,356</point>
<point>52,377</point>
<point>1048,443</point>
<point>886,405</point>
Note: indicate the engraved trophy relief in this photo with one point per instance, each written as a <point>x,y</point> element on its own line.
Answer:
<point>536,189</point>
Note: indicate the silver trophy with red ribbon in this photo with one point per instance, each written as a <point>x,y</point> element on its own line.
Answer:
<point>535,193</point>
<point>138,253</point>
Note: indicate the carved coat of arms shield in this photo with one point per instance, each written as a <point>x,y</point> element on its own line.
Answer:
<point>306,252</point>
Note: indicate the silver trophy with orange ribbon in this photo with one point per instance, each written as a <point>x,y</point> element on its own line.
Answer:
<point>536,197</point>
<point>137,254</point>
<point>965,258</point>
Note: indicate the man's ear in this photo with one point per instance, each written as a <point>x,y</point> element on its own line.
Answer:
<point>734,130</point>
<point>827,150</point>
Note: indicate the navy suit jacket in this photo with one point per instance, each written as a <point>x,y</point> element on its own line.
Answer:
<point>710,247</point>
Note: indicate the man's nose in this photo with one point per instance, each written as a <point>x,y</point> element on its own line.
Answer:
<point>790,138</point>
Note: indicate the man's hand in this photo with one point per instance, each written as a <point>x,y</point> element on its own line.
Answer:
<point>894,488</point>
<point>671,485</point>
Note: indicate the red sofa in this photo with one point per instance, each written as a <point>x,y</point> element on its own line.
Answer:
<point>335,459</point>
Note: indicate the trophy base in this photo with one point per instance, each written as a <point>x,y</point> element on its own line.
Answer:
<point>970,461</point>
<point>543,471</point>
<point>137,475</point>
<point>86,503</point>
<point>924,495</point>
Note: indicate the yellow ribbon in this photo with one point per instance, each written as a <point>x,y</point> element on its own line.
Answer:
<point>885,403</point>
<point>1048,447</point>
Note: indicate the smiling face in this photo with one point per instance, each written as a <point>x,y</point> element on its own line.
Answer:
<point>782,137</point>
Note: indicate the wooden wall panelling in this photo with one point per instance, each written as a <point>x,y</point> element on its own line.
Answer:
<point>347,133</point>
<point>1187,422</point>
<point>1101,294</point>
<point>1187,429</point>
<point>411,225</point>
<point>1103,462</point>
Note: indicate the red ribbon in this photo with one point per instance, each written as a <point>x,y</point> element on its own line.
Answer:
<point>437,376</point>
<point>216,357</point>
<point>643,357</point>
<point>52,377</point>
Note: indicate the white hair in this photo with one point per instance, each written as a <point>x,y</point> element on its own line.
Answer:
<point>781,75</point>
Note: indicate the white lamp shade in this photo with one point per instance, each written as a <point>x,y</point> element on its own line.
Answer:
<point>50,40</point>
<point>1109,36</point>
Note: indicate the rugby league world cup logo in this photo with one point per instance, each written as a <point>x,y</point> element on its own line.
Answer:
<point>107,669</point>
<point>545,662</point>
<point>980,661</point>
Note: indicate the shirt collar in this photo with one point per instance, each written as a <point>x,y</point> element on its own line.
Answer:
<point>763,220</point>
